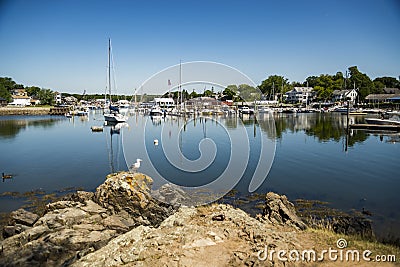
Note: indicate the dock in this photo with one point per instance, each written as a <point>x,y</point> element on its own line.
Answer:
<point>375,127</point>
<point>59,110</point>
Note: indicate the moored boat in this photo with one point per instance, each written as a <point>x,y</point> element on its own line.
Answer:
<point>156,111</point>
<point>382,121</point>
<point>114,116</point>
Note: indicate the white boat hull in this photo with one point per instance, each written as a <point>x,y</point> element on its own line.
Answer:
<point>381,121</point>
<point>115,118</point>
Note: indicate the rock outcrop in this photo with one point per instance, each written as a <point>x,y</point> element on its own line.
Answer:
<point>121,224</point>
<point>128,197</point>
<point>279,210</point>
<point>191,237</point>
<point>81,223</point>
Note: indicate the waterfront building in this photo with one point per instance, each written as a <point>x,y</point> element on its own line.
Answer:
<point>20,98</point>
<point>343,95</point>
<point>302,95</point>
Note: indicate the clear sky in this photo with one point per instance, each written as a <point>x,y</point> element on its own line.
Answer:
<point>62,45</point>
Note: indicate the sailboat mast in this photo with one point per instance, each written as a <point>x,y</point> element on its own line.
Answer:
<point>109,68</point>
<point>180,79</point>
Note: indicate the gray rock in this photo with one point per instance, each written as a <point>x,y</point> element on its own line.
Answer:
<point>278,209</point>
<point>24,217</point>
<point>128,195</point>
<point>171,194</point>
<point>113,222</point>
<point>11,230</point>
<point>79,196</point>
<point>81,223</point>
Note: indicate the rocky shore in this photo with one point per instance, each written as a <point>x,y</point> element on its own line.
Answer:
<point>121,224</point>
<point>6,111</point>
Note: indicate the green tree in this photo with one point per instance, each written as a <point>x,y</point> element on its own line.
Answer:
<point>379,86</point>
<point>230,91</point>
<point>325,84</point>
<point>193,94</point>
<point>32,91</point>
<point>387,82</point>
<point>4,93</point>
<point>208,93</point>
<point>361,81</point>
<point>46,96</point>
<point>273,85</point>
<point>8,83</point>
<point>248,93</point>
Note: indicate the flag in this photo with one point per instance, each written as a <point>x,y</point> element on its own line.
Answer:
<point>169,82</point>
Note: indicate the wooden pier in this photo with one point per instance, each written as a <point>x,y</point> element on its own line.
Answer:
<point>375,127</point>
<point>59,110</point>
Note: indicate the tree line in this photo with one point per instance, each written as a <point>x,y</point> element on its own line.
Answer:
<point>324,85</point>
<point>7,85</point>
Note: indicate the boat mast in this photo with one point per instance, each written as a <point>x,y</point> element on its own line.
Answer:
<point>109,68</point>
<point>180,80</point>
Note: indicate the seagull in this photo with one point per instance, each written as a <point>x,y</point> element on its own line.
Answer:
<point>135,166</point>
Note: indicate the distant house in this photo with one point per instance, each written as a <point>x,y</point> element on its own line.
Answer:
<point>3,102</point>
<point>164,102</point>
<point>20,98</point>
<point>381,98</point>
<point>35,101</point>
<point>19,92</point>
<point>300,95</point>
<point>70,100</point>
<point>57,98</point>
<point>20,101</point>
<point>203,102</point>
<point>342,95</point>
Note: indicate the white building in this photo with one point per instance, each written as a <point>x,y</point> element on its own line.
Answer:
<point>57,98</point>
<point>164,102</point>
<point>300,95</point>
<point>342,95</point>
<point>20,98</point>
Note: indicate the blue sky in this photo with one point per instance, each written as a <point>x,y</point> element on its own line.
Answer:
<point>62,45</point>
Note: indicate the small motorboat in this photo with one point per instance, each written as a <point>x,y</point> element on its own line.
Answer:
<point>156,112</point>
<point>382,121</point>
<point>246,110</point>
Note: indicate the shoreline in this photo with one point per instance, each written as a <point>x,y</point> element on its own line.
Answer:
<point>33,111</point>
<point>121,223</point>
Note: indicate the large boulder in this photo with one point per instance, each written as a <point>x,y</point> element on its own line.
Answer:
<point>24,217</point>
<point>127,195</point>
<point>278,209</point>
<point>81,223</point>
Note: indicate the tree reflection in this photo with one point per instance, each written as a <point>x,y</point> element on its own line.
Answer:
<point>9,128</point>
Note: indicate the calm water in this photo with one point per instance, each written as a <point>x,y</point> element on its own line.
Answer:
<point>311,161</point>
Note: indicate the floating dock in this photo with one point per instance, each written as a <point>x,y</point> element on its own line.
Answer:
<point>375,127</point>
<point>59,110</point>
<point>96,128</point>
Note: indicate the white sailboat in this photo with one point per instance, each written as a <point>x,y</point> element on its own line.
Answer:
<point>113,116</point>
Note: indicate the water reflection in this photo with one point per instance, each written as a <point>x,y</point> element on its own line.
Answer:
<point>11,126</point>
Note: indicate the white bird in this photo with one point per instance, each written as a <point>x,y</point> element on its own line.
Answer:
<point>135,166</point>
<point>156,142</point>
